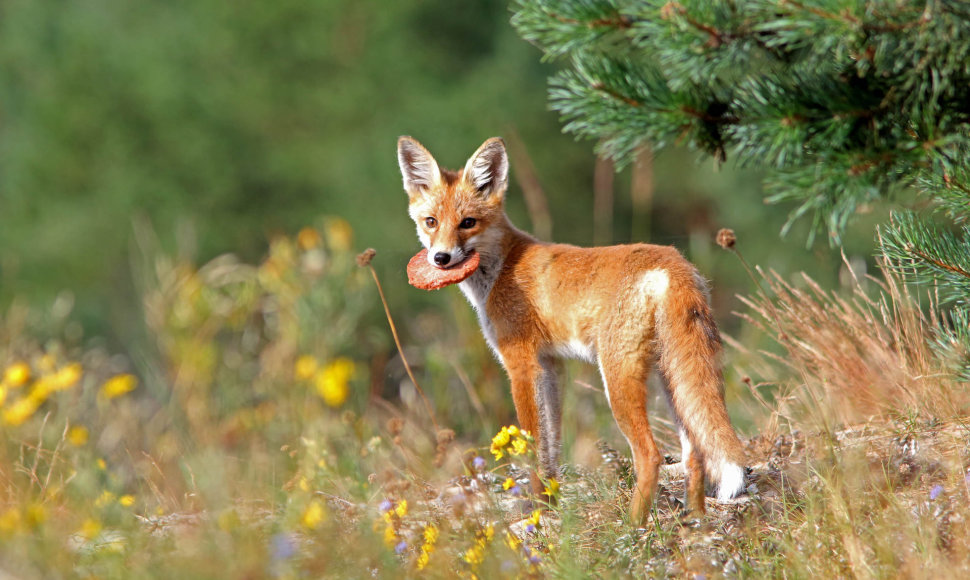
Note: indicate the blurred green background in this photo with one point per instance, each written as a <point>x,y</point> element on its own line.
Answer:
<point>219,124</point>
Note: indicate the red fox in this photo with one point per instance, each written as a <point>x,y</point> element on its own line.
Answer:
<point>624,308</point>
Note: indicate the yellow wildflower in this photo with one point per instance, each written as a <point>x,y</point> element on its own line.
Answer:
<point>90,529</point>
<point>308,238</point>
<point>535,519</point>
<point>519,446</point>
<point>10,520</point>
<point>127,500</point>
<point>512,541</point>
<point>42,390</point>
<point>402,508</point>
<point>66,377</point>
<point>314,515</point>
<point>513,430</point>
<point>77,435</point>
<point>16,374</point>
<point>552,488</point>
<point>475,554</point>
<point>390,536</point>
<point>501,438</point>
<point>333,381</point>
<point>3,393</point>
<point>101,464</point>
<point>508,484</point>
<point>35,514</point>
<point>430,537</point>
<point>106,498</point>
<point>305,367</point>
<point>340,235</point>
<point>430,534</point>
<point>21,411</point>
<point>118,385</point>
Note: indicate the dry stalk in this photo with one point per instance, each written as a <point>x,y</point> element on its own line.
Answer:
<point>364,260</point>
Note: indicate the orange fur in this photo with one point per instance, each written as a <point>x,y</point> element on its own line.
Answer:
<point>628,309</point>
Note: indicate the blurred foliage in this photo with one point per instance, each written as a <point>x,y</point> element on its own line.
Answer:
<point>223,125</point>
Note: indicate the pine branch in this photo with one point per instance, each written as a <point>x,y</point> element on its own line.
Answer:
<point>848,101</point>
<point>928,254</point>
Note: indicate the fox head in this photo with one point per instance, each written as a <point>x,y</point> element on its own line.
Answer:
<point>454,209</point>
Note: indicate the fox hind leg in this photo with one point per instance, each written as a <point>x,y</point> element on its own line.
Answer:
<point>626,388</point>
<point>693,460</point>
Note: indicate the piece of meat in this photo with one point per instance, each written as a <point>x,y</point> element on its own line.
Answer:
<point>421,274</point>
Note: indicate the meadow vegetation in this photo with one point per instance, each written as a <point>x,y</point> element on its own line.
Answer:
<point>169,410</point>
<point>262,438</point>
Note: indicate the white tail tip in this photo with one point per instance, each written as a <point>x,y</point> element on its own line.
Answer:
<point>731,484</point>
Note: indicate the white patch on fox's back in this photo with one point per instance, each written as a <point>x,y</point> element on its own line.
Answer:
<point>654,283</point>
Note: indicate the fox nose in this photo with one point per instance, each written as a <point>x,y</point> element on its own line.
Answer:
<point>442,258</point>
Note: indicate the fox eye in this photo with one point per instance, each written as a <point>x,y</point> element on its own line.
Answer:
<point>467,223</point>
<point>430,222</point>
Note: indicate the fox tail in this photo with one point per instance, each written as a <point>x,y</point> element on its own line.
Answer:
<point>689,358</point>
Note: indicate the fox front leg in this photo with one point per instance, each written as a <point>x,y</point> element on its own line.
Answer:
<point>535,392</point>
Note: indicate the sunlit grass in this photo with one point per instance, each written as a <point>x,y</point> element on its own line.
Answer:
<point>263,432</point>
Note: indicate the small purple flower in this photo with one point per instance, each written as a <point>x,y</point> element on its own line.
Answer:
<point>516,490</point>
<point>936,491</point>
<point>700,577</point>
<point>530,528</point>
<point>385,506</point>
<point>478,463</point>
<point>533,558</point>
<point>283,547</point>
<point>400,547</point>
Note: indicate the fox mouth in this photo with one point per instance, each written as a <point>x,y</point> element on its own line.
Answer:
<point>422,274</point>
<point>460,263</point>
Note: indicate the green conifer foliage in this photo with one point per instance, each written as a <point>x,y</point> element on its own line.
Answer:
<point>844,101</point>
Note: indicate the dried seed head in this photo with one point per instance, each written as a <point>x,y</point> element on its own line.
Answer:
<point>364,258</point>
<point>446,436</point>
<point>726,238</point>
<point>395,425</point>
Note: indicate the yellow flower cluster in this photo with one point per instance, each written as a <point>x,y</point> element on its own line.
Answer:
<point>25,518</point>
<point>392,515</point>
<point>430,536</point>
<point>511,440</point>
<point>20,374</point>
<point>476,554</point>
<point>332,382</point>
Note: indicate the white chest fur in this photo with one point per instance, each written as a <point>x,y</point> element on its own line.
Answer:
<point>477,289</point>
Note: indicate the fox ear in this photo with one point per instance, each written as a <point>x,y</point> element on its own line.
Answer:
<point>488,169</point>
<point>418,167</point>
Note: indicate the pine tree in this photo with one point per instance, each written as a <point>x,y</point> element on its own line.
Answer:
<point>844,102</point>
